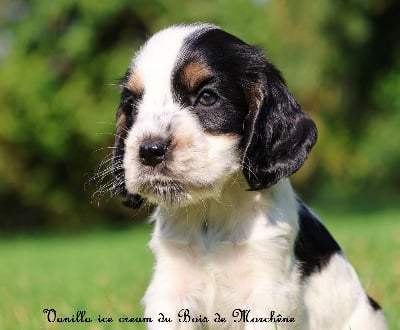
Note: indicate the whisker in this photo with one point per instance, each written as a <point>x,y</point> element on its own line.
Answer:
<point>107,177</point>
<point>104,123</point>
<point>104,148</point>
<point>106,133</point>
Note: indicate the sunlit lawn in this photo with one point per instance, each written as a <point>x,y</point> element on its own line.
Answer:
<point>106,272</point>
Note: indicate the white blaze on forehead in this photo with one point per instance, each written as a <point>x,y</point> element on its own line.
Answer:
<point>195,166</point>
<point>157,58</point>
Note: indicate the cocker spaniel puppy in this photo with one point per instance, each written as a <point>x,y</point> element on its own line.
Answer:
<point>207,130</point>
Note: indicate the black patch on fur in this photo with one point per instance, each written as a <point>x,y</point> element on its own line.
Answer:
<point>314,245</point>
<point>375,306</point>
<point>253,102</point>
<point>223,55</point>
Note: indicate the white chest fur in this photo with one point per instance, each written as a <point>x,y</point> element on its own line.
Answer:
<point>225,257</point>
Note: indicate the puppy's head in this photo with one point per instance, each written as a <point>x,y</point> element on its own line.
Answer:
<point>197,106</point>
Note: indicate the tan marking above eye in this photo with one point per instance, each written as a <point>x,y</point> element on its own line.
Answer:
<point>135,83</point>
<point>195,73</point>
<point>227,136</point>
<point>120,126</point>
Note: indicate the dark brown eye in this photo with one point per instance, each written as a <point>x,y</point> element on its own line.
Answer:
<point>207,99</point>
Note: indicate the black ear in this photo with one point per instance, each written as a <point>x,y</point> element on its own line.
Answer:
<point>124,121</point>
<point>123,124</point>
<point>278,134</point>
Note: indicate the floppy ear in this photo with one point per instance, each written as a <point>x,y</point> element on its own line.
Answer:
<point>278,134</point>
<point>124,121</point>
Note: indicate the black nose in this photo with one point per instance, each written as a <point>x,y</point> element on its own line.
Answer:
<point>152,153</point>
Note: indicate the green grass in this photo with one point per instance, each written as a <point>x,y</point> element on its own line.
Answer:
<point>102,272</point>
<point>106,272</point>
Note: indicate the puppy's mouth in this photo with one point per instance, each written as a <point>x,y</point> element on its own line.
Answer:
<point>167,192</point>
<point>174,193</point>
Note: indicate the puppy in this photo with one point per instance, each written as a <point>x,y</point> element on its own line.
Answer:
<point>207,130</point>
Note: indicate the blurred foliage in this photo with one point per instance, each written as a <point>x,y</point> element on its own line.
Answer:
<point>59,61</point>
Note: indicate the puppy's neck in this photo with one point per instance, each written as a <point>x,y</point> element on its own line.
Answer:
<point>232,216</point>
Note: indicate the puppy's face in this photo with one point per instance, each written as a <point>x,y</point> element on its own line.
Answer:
<point>195,108</point>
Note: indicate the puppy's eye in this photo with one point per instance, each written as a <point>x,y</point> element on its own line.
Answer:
<point>207,99</point>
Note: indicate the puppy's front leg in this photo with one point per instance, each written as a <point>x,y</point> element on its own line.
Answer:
<point>169,308</point>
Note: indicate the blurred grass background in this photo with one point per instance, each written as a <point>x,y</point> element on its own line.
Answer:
<point>59,62</point>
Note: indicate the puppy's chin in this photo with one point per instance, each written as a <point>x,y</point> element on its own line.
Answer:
<point>166,193</point>
<point>174,194</point>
